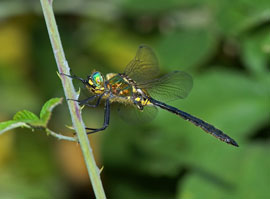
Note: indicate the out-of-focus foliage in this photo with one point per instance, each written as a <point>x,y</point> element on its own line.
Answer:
<point>224,45</point>
<point>28,119</point>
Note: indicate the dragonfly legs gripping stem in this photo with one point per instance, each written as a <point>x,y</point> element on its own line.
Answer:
<point>106,119</point>
<point>85,101</point>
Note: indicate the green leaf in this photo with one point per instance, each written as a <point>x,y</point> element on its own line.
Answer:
<point>255,52</point>
<point>235,17</point>
<point>243,174</point>
<point>8,125</point>
<point>25,116</point>
<point>176,52</point>
<point>28,119</point>
<point>46,111</point>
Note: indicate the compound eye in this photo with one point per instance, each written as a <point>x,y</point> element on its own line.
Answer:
<point>97,78</point>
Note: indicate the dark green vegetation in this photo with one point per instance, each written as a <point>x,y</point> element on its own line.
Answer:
<point>224,45</point>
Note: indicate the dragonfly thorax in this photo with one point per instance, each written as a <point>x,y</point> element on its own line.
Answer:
<point>119,87</point>
<point>124,90</point>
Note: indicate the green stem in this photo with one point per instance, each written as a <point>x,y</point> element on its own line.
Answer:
<point>61,137</point>
<point>70,93</point>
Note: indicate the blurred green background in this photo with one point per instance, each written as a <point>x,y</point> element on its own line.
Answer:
<point>224,45</point>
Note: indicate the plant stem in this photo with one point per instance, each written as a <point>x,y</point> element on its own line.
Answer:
<point>70,93</point>
<point>61,137</point>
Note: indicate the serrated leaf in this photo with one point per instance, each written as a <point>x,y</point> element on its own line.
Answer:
<point>46,111</point>
<point>25,116</point>
<point>28,119</point>
<point>8,125</point>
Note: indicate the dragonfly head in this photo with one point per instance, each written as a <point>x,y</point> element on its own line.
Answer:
<point>96,82</point>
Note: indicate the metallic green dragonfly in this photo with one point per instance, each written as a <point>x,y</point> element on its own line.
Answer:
<point>139,86</point>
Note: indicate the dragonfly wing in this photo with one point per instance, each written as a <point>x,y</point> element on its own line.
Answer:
<point>132,114</point>
<point>172,86</point>
<point>144,66</point>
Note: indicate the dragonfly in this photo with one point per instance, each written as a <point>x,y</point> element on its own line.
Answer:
<point>141,87</point>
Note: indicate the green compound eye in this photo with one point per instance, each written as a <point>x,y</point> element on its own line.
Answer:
<point>97,79</point>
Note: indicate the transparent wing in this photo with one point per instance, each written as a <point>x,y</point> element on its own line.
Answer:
<point>132,114</point>
<point>144,66</point>
<point>172,86</point>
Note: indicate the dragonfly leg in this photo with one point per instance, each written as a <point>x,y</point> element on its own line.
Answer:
<point>106,119</point>
<point>75,77</point>
<point>94,105</point>
<point>85,101</point>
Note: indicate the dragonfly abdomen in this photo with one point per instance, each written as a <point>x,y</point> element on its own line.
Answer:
<point>208,128</point>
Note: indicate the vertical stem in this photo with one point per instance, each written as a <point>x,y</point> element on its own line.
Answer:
<point>70,93</point>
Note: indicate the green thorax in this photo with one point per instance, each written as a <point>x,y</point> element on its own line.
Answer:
<point>119,86</point>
